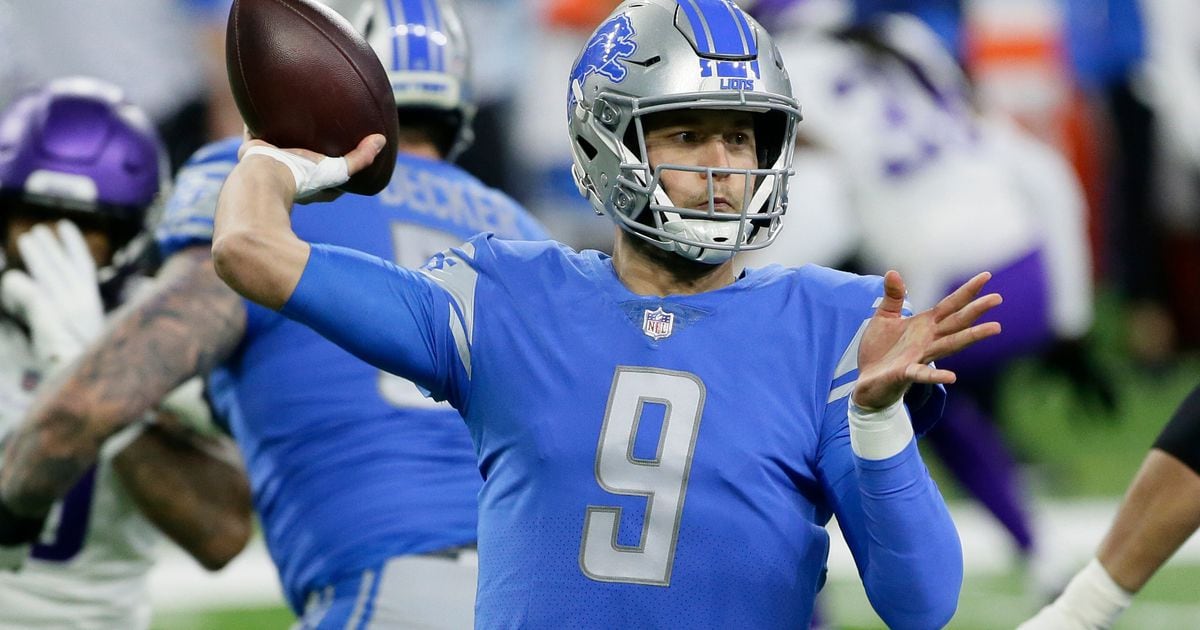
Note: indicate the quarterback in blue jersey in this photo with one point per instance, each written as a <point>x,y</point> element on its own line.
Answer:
<point>662,440</point>
<point>366,489</point>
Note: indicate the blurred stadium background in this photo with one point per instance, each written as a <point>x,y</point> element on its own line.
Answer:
<point>168,54</point>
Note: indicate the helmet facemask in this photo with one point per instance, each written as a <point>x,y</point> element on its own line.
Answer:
<point>640,204</point>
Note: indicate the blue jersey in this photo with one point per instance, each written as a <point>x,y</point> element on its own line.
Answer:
<point>349,465</point>
<point>649,461</point>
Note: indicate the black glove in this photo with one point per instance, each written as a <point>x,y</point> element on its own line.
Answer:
<point>17,534</point>
<point>1091,382</point>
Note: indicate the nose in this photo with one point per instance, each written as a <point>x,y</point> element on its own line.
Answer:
<point>716,155</point>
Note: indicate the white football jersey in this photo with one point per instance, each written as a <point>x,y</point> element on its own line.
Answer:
<point>935,190</point>
<point>88,569</point>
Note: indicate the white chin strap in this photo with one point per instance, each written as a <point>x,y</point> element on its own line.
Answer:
<point>704,231</point>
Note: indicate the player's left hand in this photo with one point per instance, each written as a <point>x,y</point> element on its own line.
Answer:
<point>895,351</point>
<point>59,298</point>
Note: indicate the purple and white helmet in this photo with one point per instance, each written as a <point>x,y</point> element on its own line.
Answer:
<point>76,144</point>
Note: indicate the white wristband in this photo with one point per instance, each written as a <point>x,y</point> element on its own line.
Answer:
<point>879,434</point>
<point>311,177</point>
<point>1093,597</point>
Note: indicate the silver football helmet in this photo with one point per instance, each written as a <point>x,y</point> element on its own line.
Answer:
<point>424,49</point>
<point>652,56</point>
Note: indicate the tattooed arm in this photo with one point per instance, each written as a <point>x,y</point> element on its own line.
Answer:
<point>192,487</point>
<point>187,324</point>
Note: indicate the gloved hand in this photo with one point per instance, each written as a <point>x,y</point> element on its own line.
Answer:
<point>1091,382</point>
<point>59,298</point>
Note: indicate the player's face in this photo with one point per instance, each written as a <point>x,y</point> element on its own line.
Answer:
<point>22,219</point>
<point>708,138</point>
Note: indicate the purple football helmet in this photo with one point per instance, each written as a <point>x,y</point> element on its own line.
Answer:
<point>78,145</point>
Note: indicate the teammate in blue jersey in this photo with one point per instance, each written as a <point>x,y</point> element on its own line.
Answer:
<point>365,488</point>
<point>662,441</point>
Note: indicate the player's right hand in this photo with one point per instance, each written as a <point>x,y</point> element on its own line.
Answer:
<point>312,173</point>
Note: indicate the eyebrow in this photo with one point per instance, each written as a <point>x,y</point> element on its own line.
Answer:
<point>693,119</point>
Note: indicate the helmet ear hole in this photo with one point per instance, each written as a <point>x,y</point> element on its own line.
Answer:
<point>769,127</point>
<point>588,150</point>
<point>630,140</point>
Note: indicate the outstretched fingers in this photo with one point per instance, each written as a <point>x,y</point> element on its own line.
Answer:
<point>967,315</point>
<point>961,296</point>
<point>928,374</point>
<point>950,344</point>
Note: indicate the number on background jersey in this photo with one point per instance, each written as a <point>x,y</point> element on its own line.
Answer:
<point>73,513</point>
<point>412,246</point>
<point>662,480</point>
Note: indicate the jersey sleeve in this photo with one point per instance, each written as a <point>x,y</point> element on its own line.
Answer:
<point>890,511</point>
<point>418,325</point>
<point>187,217</point>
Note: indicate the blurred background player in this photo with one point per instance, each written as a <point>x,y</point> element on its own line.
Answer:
<point>894,145</point>
<point>366,490</point>
<point>1160,512</point>
<point>79,168</point>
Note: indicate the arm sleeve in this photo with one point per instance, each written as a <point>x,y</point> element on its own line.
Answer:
<point>897,526</point>
<point>395,319</point>
<point>1181,437</point>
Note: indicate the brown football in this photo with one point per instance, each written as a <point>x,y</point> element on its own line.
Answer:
<point>303,78</point>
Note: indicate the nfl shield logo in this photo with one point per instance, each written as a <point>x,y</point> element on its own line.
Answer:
<point>657,324</point>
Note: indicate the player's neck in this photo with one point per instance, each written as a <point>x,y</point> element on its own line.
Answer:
<point>647,270</point>
<point>423,149</point>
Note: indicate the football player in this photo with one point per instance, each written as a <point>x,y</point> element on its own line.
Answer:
<point>662,440</point>
<point>79,167</point>
<point>365,489</point>
<point>1159,513</point>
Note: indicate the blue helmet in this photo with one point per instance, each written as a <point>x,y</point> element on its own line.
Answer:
<point>424,49</point>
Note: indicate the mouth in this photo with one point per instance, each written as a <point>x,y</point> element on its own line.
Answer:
<point>720,205</point>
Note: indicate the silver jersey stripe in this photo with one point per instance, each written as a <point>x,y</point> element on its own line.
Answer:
<point>360,604</point>
<point>849,360</point>
<point>459,278</point>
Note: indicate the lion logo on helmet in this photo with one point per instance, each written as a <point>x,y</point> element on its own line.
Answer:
<point>611,43</point>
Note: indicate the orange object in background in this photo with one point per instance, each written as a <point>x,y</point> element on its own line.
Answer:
<point>1017,58</point>
<point>583,15</point>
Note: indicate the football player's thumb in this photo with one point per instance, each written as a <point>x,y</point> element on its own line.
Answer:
<point>893,293</point>
<point>362,155</point>
<point>18,294</point>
